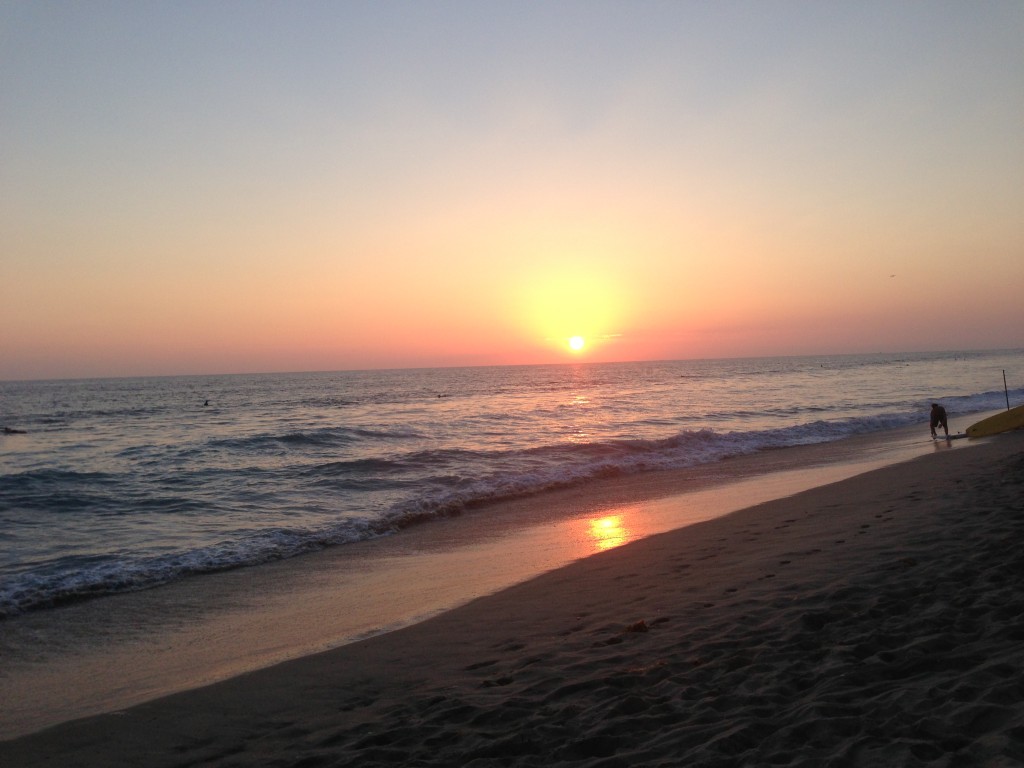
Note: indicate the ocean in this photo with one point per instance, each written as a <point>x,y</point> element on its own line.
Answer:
<point>113,485</point>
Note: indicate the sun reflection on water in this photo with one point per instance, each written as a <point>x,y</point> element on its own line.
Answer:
<point>581,428</point>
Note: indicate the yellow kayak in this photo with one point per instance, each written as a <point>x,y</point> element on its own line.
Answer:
<point>1001,422</point>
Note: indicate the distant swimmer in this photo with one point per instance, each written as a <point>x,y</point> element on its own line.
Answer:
<point>938,417</point>
<point>206,403</point>
<point>9,431</point>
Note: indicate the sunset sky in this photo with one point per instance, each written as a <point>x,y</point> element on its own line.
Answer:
<point>197,187</point>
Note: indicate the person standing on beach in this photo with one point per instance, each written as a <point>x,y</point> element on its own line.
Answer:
<point>938,417</point>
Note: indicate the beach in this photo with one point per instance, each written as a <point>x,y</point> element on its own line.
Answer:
<point>873,621</point>
<point>511,384</point>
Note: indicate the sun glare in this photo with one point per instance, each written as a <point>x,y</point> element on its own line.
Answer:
<point>573,310</point>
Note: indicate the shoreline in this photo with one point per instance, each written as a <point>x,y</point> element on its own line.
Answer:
<point>114,652</point>
<point>871,621</point>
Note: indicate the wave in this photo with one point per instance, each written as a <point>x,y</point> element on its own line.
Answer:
<point>992,400</point>
<point>327,437</point>
<point>556,466</point>
<point>81,578</point>
<point>439,483</point>
<point>549,467</point>
<point>55,490</point>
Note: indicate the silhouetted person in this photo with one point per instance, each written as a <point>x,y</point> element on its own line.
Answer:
<point>938,417</point>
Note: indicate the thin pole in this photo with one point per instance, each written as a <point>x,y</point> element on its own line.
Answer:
<point>1005,392</point>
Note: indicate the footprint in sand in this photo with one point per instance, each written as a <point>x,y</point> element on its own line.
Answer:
<point>481,665</point>
<point>498,682</point>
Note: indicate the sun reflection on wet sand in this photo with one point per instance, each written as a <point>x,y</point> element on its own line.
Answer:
<point>608,532</point>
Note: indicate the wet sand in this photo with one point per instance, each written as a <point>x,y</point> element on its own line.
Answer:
<point>874,621</point>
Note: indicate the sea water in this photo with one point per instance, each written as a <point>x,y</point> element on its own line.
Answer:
<point>110,485</point>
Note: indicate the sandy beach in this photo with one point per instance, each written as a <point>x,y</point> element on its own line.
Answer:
<point>874,621</point>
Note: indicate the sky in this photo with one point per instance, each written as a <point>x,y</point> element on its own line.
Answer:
<point>194,187</point>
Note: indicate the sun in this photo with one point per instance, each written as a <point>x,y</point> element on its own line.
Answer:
<point>576,343</point>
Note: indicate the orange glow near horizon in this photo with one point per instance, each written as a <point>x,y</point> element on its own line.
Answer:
<point>705,206</point>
